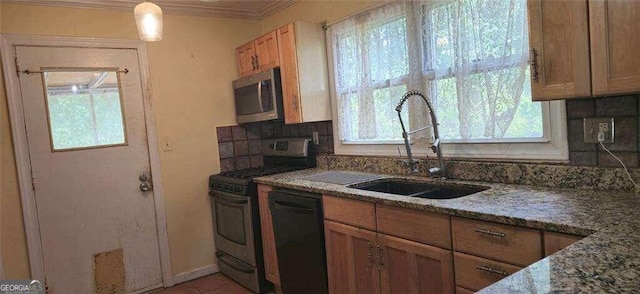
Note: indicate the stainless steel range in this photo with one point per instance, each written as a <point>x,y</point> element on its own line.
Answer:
<point>235,210</point>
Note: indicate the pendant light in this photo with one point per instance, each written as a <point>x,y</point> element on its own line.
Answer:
<point>149,21</point>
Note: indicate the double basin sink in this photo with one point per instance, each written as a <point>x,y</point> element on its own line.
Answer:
<point>418,189</point>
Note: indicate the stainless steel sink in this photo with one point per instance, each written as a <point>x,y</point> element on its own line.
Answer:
<point>418,189</point>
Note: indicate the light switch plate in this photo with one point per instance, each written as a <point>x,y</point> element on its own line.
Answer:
<point>598,125</point>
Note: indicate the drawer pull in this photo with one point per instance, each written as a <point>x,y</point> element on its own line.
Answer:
<point>491,233</point>
<point>491,270</point>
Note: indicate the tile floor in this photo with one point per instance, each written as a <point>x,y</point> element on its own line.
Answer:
<point>213,284</point>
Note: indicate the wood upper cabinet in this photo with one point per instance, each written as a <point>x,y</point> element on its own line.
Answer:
<point>411,267</point>
<point>583,48</point>
<point>615,40</point>
<point>245,56</point>
<point>268,238</point>
<point>258,55</point>
<point>267,51</point>
<point>559,42</point>
<point>303,68</point>
<point>351,264</point>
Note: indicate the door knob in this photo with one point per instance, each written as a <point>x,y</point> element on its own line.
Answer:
<point>145,187</point>
<point>143,177</point>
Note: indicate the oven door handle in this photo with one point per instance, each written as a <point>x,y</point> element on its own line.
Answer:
<point>234,264</point>
<point>290,207</point>
<point>227,199</point>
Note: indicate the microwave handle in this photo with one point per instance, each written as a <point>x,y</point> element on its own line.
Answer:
<point>260,95</point>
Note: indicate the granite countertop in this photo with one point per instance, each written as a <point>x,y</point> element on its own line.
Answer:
<point>607,261</point>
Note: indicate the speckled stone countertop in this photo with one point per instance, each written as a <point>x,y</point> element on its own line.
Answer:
<point>607,261</point>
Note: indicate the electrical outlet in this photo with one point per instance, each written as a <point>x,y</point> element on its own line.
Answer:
<point>316,140</point>
<point>598,129</point>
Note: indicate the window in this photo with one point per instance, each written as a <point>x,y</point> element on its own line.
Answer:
<point>475,62</point>
<point>468,56</point>
<point>84,109</point>
<point>373,58</point>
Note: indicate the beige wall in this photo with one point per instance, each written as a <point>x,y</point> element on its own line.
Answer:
<point>191,73</point>
<point>315,11</point>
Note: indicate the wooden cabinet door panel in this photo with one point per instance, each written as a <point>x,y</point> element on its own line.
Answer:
<point>267,51</point>
<point>559,36</point>
<point>350,264</point>
<point>554,242</point>
<point>411,267</point>
<point>268,238</point>
<point>245,56</point>
<point>289,74</point>
<point>615,39</point>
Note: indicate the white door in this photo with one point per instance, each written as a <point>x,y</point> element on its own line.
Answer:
<point>87,140</point>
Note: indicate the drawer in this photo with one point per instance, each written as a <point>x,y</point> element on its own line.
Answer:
<point>510,244</point>
<point>352,212</point>
<point>460,290</point>
<point>423,227</point>
<point>554,242</point>
<point>475,273</point>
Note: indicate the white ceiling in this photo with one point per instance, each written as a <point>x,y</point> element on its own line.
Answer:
<point>224,8</point>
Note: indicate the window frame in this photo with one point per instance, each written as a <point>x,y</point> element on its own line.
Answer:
<point>552,146</point>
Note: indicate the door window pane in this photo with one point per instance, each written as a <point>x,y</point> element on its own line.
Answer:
<point>84,108</point>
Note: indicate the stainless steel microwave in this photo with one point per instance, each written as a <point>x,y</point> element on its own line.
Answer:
<point>258,97</point>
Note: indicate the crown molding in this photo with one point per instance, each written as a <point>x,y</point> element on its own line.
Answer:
<point>167,7</point>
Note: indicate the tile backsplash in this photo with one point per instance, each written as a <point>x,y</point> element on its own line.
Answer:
<point>626,112</point>
<point>240,146</point>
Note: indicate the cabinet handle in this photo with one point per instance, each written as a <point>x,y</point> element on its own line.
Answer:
<point>253,62</point>
<point>380,263</point>
<point>257,62</point>
<point>491,233</point>
<point>533,62</point>
<point>491,270</point>
<point>370,265</point>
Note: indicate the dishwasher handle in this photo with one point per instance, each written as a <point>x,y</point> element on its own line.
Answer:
<point>291,207</point>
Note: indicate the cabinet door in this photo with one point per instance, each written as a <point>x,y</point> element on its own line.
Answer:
<point>615,39</point>
<point>351,266</point>
<point>289,73</point>
<point>268,238</point>
<point>554,242</point>
<point>267,51</point>
<point>245,56</point>
<point>559,57</point>
<point>410,267</point>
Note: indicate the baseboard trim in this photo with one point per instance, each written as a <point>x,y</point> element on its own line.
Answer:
<point>196,273</point>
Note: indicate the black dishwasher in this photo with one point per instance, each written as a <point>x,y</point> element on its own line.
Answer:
<point>299,234</point>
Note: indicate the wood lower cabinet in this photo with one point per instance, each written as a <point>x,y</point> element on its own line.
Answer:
<point>559,57</point>
<point>505,243</point>
<point>268,238</point>
<point>554,242</point>
<point>475,273</point>
<point>411,267</point>
<point>351,266</point>
<point>615,31</point>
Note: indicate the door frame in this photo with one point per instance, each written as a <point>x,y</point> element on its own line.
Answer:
<point>20,144</point>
